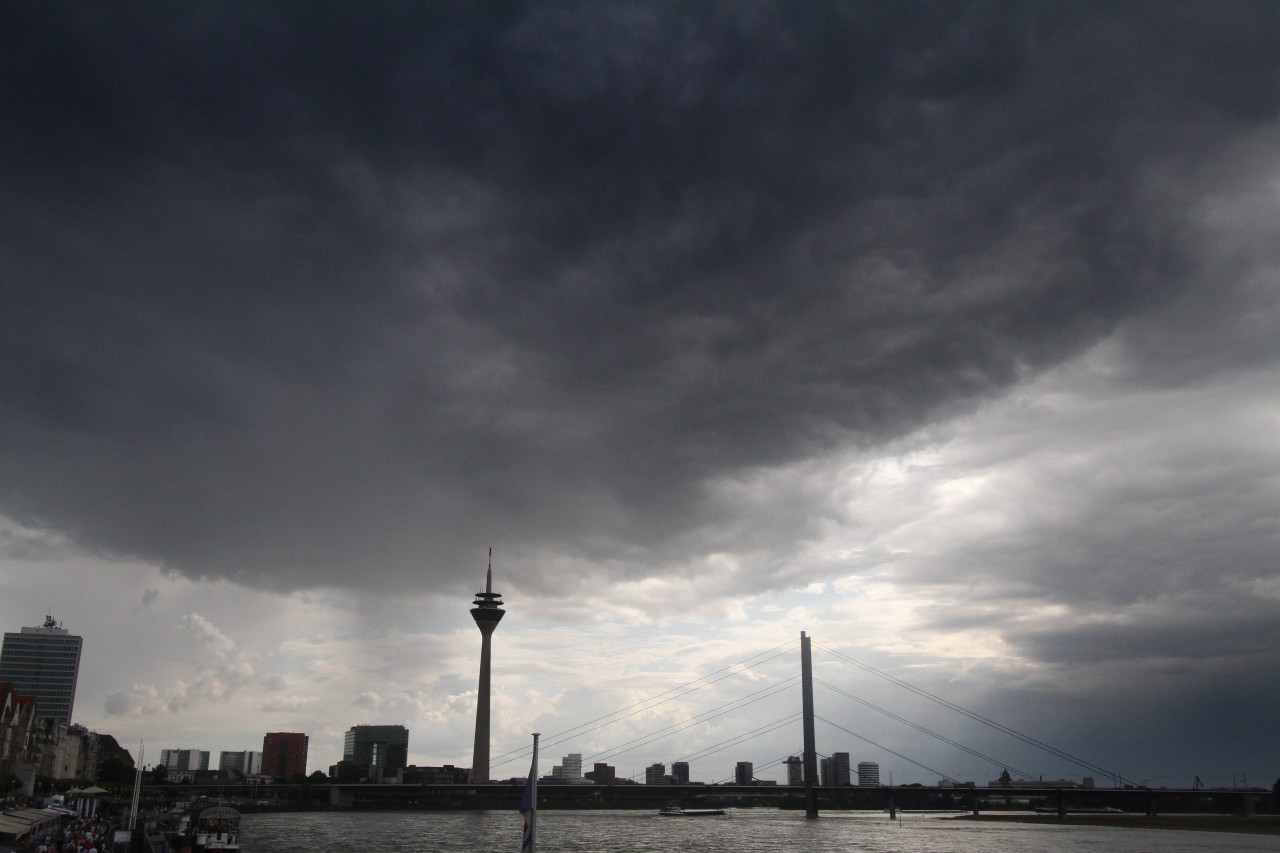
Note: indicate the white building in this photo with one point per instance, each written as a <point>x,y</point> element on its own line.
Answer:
<point>569,771</point>
<point>868,774</point>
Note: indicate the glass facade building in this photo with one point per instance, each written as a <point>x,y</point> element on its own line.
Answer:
<point>43,662</point>
<point>385,747</point>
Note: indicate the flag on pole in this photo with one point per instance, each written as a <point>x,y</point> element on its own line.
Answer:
<point>529,802</point>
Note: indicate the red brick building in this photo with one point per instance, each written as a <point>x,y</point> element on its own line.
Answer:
<point>284,754</point>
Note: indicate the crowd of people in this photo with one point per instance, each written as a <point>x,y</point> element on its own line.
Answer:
<point>79,835</point>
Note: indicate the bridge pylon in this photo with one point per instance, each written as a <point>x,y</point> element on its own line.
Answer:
<point>810,741</point>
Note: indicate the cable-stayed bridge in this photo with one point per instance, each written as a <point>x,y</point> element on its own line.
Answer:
<point>746,706</point>
<point>1101,783</point>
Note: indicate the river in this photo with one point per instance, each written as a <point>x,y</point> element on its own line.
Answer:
<point>741,831</point>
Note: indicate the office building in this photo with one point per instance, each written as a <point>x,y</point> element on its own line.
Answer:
<point>446,775</point>
<point>246,762</point>
<point>656,774</point>
<point>487,611</point>
<point>868,773</point>
<point>744,773</point>
<point>43,662</point>
<point>184,759</point>
<point>383,747</point>
<point>795,770</point>
<point>602,774</point>
<point>840,774</point>
<point>284,754</point>
<point>680,772</point>
<point>570,770</point>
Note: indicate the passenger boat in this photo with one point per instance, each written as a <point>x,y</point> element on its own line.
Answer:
<point>676,811</point>
<point>1079,810</point>
<point>217,830</point>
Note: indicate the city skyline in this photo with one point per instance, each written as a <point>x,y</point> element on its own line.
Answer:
<point>945,333</point>
<point>385,747</point>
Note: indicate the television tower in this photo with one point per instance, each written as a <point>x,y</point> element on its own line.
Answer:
<point>487,611</point>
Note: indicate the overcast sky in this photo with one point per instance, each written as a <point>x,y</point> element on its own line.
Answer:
<point>944,332</point>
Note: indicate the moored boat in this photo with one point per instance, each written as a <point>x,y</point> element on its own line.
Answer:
<point>676,811</point>
<point>1079,810</point>
<point>217,830</point>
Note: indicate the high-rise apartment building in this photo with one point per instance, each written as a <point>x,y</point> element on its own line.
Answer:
<point>43,662</point>
<point>284,754</point>
<point>384,747</point>
<point>868,773</point>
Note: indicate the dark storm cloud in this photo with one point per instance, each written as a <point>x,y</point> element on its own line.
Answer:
<point>301,295</point>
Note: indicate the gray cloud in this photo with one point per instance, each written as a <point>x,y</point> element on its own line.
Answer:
<point>342,298</point>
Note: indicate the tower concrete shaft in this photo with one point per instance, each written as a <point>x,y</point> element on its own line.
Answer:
<point>487,611</point>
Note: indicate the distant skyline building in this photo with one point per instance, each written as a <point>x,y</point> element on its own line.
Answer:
<point>602,774</point>
<point>445,775</point>
<point>680,772</point>
<point>655,774</point>
<point>284,754</point>
<point>570,770</point>
<point>184,759</point>
<point>247,762</point>
<point>840,774</point>
<point>868,773</point>
<point>44,662</point>
<point>487,611</point>
<point>744,773</point>
<point>383,747</point>
<point>795,770</point>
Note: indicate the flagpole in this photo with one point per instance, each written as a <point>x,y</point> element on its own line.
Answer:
<point>529,803</point>
<point>137,787</point>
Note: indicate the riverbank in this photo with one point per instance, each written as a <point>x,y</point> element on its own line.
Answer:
<point>1262,825</point>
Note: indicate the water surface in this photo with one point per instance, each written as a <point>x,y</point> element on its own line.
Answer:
<point>745,830</point>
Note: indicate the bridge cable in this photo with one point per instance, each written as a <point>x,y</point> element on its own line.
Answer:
<point>737,739</point>
<point>720,711</point>
<point>1002,764</point>
<point>887,749</point>
<point>740,738</point>
<point>649,703</point>
<point>975,716</point>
